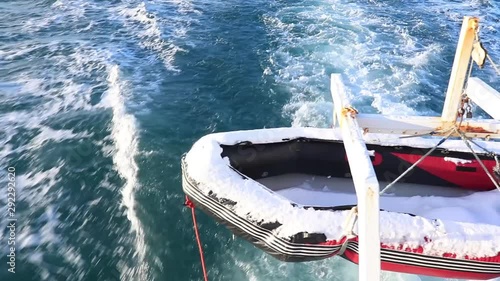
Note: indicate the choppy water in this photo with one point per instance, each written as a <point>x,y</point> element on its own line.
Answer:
<point>99,99</point>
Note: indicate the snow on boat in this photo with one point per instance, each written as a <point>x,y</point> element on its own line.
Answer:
<point>289,192</point>
<point>303,194</point>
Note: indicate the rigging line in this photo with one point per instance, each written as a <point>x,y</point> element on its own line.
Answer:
<point>489,152</point>
<point>450,132</point>
<point>493,64</point>
<point>471,65</point>
<point>466,140</point>
<point>431,133</point>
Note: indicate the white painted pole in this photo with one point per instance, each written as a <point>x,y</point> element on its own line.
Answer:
<point>365,182</point>
<point>459,70</point>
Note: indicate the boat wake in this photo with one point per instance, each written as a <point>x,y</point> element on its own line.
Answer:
<point>56,128</point>
<point>124,134</point>
<point>158,34</point>
<point>394,61</point>
<point>392,64</point>
<point>38,142</point>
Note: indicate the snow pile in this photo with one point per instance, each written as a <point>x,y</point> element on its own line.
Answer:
<point>457,161</point>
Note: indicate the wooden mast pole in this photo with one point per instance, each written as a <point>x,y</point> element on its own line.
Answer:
<point>459,71</point>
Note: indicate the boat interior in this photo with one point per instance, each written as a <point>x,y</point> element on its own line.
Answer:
<point>315,173</point>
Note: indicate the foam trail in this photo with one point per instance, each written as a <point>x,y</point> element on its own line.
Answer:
<point>149,33</point>
<point>63,11</point>
<point>391,65</point>
<point>384,62</point>
<point>185,6</point>
<point>124,134</point>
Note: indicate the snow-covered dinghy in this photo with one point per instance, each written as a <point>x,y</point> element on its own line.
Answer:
<point>289,192</point>
<point>409,194</point>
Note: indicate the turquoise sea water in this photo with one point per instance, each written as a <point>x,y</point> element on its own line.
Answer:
<point>100,99</point>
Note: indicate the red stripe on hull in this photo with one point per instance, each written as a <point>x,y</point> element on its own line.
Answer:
<point>443,273</point>
<point>458,174</point>
<point>422,270</point>
<point>418,250</point>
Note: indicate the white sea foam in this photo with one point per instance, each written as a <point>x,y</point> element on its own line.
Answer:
<point>12,54</point>
<point>62,85</point>
<point>421,58</point>
<point>310,113</point>
<point>146,26</point>
<point>124,134</point>
<point>56,85</point>
<point>317,38</point>
<point>185,6</point>
<point>49,134</point>
<point>35,190</point>
<point>73,95</point>
<point>63,12</point>
<point>52,100</point>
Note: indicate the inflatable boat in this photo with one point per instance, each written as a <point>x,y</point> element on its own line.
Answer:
<point>408,194</point>
<point>289,191</point>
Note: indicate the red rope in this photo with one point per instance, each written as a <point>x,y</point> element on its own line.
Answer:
<point>190,205</point>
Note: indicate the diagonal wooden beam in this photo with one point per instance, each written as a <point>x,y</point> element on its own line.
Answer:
<point>417,125</point>
<point>365,182</point>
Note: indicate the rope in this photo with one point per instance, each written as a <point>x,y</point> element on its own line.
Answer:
<point>489,152</point>
<point>469,73</point>
<point>419,135</point>
<point>431,133</point>
<point>418,162</point>
<point>493,64</point>
<point>466,140</point>
<point>188,203</point>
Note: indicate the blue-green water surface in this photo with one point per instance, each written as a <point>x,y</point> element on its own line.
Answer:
<point>99,99</point>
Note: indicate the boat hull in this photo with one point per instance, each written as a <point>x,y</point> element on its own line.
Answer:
<point>290,251</point>
<point>221,175</point>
